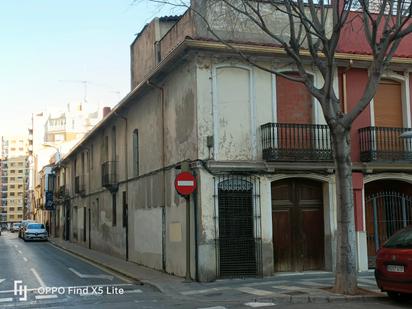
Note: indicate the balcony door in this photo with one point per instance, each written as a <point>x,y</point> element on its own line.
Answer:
<point>294,102</point>
<point>298,228</point>
<point>388,114</point>
<point>294,115</point>
<point>388,105</point>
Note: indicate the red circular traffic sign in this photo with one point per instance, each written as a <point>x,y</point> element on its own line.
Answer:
<point>185,183</point>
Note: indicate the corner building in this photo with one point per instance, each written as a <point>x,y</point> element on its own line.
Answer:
<point>258,145</point>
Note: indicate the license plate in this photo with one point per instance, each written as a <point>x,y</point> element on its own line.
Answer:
<point>395,268</point>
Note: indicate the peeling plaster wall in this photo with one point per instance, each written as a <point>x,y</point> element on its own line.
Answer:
<point>234,100</point>
<point>233,26</point>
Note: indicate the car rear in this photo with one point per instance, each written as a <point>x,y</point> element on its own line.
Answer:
<point>393,270</point>
<point>15,227</point>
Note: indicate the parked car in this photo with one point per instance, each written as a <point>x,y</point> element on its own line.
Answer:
<point>15,227</point>
<point>23,226</point>
<point>35,231</point>
<point>393,270</point>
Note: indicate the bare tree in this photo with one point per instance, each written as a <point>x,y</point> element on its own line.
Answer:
<point>313,29</point>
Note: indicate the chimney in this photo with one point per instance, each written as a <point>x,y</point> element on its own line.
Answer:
<point>106,111</point>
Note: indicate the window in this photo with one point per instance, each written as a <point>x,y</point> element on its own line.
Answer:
<point>114,209</point>
<point>136,152</point>
<point>91,156</point>
<point>113,143</point>
<point>125,209</point>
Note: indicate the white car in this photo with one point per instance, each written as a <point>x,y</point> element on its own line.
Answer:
<point>35,231</point>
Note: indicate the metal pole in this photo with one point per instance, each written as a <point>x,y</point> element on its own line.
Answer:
<point>188,279</point>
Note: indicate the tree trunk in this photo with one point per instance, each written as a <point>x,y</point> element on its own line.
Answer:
<point>346,253</point>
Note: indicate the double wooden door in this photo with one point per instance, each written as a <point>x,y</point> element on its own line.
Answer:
<point>298,227</point>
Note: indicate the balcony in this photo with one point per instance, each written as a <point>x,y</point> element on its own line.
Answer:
<point>80,185</point>
<point>109,175</point>
<point>296,142</point>
<point>384,145</point>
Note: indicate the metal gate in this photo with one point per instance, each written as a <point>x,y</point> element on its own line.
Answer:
<point>238,227</point>
<point>386,213</point>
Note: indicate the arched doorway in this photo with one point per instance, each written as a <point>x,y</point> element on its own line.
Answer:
<point>237,243</point>
<point>388,208</point>
<point>298,226</point>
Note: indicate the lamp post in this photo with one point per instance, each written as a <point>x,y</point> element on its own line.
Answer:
<point>57,161</point>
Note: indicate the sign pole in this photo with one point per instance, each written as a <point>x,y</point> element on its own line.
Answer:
<point>188,279</point>
<point>185,184</point>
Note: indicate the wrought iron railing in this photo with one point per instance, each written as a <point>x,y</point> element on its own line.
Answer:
<point>109,174</point>
<point>296,142</point>
<point>384,144</point>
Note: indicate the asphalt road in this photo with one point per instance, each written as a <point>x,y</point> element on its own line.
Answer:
<point>38,266</point>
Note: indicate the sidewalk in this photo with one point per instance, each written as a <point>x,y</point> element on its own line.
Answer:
<point>281,288</point>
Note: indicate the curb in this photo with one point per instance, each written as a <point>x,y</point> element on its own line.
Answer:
<point>316,299</point>
<point>124,274</point>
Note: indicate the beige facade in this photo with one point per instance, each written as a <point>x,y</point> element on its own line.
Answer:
<point>14,178</point>
<point>193,100</point>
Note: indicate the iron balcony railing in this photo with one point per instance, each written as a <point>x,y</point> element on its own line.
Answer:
<point>296,142</point>
<point>384,144</point>
<point>109,174</point>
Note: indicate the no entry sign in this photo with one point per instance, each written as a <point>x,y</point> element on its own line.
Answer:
<point>185,183</point>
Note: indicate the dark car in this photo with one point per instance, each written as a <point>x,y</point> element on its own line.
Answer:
<point>393,270</point>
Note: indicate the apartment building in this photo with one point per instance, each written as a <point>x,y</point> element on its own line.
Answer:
<point>14,178</point>
<point>54,134</point>
<point>258,145</point>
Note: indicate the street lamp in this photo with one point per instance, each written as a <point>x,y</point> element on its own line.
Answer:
<point>49,193</point>
<point>57,151</point>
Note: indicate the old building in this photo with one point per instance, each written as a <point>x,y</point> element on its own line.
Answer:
<point>258,145</point>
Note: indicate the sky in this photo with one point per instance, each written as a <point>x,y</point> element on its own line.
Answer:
<point>48,47</point>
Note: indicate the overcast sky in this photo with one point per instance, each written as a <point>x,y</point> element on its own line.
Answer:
<point>49,46</point>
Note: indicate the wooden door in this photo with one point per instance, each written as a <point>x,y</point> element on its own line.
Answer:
<point>298,229</point>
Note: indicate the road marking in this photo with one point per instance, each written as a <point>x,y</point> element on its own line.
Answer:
<point>19,251</point>
<point>3,300</point>
<point>15,246</point>
<point>314,284</point>
<point>194,292</point>
<point>369,281</point>
<point>257,304</point>
<point>1,280</point>
<point>216,307</point>
<point>133,291</point>
<point>46,296</point>
<point>38,277</point>
<point>89,294</point>
<point>291,288</point>
<point>101,276</point>
<point>249,290</point>
<point>25,259</point>
<point>102,268</point>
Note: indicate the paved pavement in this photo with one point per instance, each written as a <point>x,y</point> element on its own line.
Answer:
<point>281,288</point>
<point>86,284</point>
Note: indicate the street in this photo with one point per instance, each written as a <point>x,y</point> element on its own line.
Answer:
<point>40,266</point>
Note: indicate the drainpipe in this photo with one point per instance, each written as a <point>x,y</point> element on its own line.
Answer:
<point>344,87</point>
<point>127,182</point>
<point>162,99</point>
<point>195,213</point>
